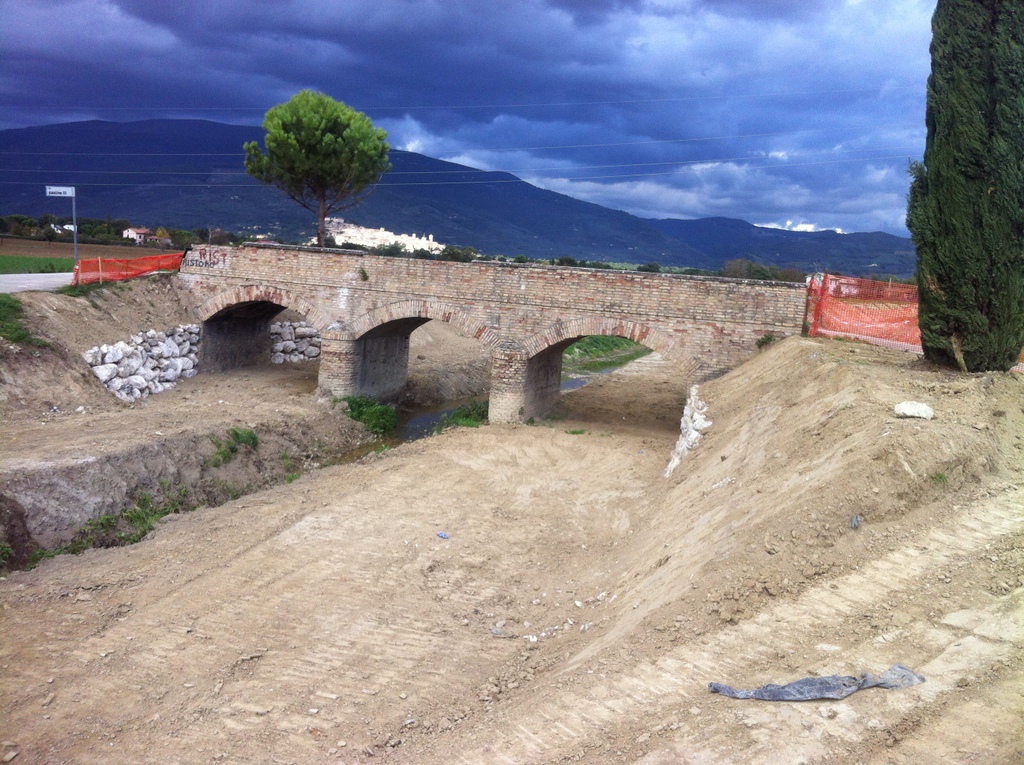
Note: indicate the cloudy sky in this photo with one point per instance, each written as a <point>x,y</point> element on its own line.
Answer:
<point>792,113</point>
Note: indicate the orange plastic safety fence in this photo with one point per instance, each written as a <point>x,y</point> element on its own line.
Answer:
<point>881,313</point>
<point>115,270</point>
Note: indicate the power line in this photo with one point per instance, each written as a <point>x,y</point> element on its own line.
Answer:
<point>880,90</point>
<point>656,141</point>
<point>470,170</point>
<point>488,181</point>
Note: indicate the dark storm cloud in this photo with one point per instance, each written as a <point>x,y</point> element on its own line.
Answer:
<point>773,111</point>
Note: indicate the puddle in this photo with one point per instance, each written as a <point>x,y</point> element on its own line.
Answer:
<point>420,423</point>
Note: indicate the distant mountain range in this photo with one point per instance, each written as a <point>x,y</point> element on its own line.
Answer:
<point>189,174</point>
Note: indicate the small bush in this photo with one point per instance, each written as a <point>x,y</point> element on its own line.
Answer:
<point>244,437</point>
<point>766,339</point>
<point>377,417</point>
<point>466,416</point>
<point>225,451</point>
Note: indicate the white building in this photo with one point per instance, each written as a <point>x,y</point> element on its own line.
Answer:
<point>376,237</point>
<point>139,235</point>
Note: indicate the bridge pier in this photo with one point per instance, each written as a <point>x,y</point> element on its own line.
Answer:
<point>339,365</point>
<point>376,365</point>
<point>508,384</point>
<point>523,388</point>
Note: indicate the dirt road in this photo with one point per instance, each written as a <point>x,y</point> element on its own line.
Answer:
<point>580,601</point>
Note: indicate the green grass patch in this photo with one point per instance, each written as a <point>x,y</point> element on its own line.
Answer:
<point>602,365</point>
<point>244,437</point>
<point>940,478</point>
<point>377,417</point>
<point>27,264</point>
<point>596,346</point>
<point>598,353</point>
<point>11,328</point>
<point>292,471</point>
<point>128,527</point>
<point>576,432</point>
<point>471,415</point>
<point>81,290</point>
<point>225,451</point>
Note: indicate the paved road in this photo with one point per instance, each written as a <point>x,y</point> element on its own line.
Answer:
<point>24,282</point>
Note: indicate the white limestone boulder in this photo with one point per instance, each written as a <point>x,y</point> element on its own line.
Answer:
<point>915,410</point>
<point>105,372</point>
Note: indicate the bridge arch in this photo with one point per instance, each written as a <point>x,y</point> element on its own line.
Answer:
<point>426,310</point>
<point>370,357</point>
<point>562,331</point>
<point>248,294</point>
<point>527,380</point>
<point>236,324</point>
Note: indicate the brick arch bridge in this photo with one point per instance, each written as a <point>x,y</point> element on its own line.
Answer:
<point>366,306</point>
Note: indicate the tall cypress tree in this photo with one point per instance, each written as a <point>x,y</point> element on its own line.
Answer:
<point>966,204</point>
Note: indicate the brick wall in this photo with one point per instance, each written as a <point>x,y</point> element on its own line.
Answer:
<point>706,322</point>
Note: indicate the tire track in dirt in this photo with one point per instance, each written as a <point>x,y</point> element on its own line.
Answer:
<point>677,681</point>
<point>372,630</point>
<point>266,626</point>
<point>329,595</point>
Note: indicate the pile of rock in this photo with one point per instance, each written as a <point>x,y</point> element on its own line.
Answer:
<point>151,362</point>
<point>294,341</point>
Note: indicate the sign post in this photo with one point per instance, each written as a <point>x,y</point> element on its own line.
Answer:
<point>68,191</point>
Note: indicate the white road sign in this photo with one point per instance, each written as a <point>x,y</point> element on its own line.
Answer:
<point>60,191</point>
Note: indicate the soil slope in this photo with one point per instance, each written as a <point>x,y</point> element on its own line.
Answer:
<point>579,602</point>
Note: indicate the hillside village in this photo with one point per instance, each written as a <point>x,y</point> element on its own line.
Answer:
<point>342,233</point>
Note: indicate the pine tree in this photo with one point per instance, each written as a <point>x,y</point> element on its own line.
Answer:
<point>966,203</point>
<point>320,152</point>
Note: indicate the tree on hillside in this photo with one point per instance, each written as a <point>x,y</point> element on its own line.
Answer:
<point>320,152</point>
<point>966,204</point>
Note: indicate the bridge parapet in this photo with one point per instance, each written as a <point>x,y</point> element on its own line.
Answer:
<point>366,306</point>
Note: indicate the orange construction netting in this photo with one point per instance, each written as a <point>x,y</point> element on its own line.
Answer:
<point>116,270</point>
<point>880,313</point>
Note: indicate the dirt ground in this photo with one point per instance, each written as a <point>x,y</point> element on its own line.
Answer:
<point>579,601</point>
